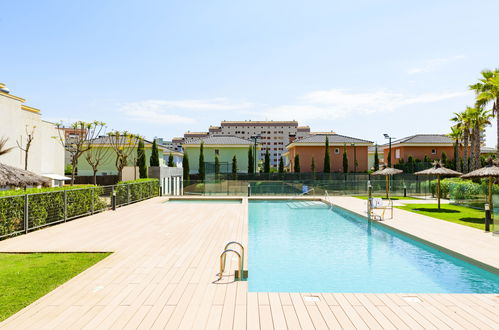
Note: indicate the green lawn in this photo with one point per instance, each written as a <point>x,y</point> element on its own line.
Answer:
<point>395,198</point>
<point>453,213</point>
<point>26,277</point>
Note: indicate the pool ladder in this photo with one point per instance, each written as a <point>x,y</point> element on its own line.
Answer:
<point>240,273</point>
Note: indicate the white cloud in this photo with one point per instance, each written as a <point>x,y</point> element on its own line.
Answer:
<point>434,64</point>
<point>172,111</point>
<point>338,103</point>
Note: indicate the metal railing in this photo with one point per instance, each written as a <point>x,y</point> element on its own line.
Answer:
<point>20,214</point>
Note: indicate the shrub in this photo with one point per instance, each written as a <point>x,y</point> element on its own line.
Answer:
<point>459,189</point>
<point>139,189</point>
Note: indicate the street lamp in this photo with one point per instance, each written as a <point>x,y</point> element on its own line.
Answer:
<point>389,148</point>
<point>255,139</point>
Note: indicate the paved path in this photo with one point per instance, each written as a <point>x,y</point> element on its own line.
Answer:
<point>165,260</point>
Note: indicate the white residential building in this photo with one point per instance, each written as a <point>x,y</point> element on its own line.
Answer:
<point>46,154</point>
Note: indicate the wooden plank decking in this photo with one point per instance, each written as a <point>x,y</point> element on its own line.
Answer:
<point>162,271</point>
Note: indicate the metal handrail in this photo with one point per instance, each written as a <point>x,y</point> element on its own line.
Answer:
<point>301,194</point>
<point>222,264</point>
<point>242,250</point>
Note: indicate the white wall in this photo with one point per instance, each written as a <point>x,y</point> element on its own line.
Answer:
<point>46,154</point>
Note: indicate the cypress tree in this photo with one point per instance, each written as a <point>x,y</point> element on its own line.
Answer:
<point>217,167</point>
<point>154,160</point>
<point>266,164</point>
<point>444,159</point>
<point>201,162</point>
<point>251,161</point>
<point>170,161</point>
<point>281,165</point>
<point>141,159</point>
<point>234,167</point>
<point>345,160</point>
<point>327,161</point>
<point>297,164</point>
<point>185,166</point>
<point>376,158</point>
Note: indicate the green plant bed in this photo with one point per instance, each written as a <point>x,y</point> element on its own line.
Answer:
<point>25,278</point>
<point>454,213</point>
<point>395,198</point>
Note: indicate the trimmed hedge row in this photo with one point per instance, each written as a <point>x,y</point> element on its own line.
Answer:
<point>136,190</point>
<point>46,206</point>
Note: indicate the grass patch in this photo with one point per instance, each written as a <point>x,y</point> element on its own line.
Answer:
<point>395,198</point>
<point>453,213</point>
<point>26,277</point>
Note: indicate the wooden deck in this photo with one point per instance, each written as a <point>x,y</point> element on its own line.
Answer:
<point>162,271</point>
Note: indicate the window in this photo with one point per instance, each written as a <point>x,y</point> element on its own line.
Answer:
<point>337,151</point>
<point>397,153</point>
<point>433,151</point>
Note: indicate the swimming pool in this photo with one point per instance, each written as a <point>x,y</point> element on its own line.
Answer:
<point>205,201</point>
<point>309,247</point>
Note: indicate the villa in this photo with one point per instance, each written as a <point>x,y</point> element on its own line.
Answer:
<point>46,153</point>
<point>108,166</point>
<point>313,147</point>
<point>420,145</point>
<point>225,147</point>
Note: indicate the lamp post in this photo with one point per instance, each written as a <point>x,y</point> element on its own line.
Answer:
<point>389,148</point>
<point>255,139</point>
<point>354,158</point>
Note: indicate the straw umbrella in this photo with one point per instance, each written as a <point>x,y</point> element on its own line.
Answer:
<point>439,170</point>
<point>387,171</point>
<point>15,177</point>
<point>490,171</point>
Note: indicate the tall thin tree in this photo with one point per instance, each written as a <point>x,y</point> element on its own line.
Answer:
<point>251,167</point>
<point>185,167</point>
<point>376,158</point>
<point>141,159</point>
<point>154,159</point>
<point>234,167</point>
<point>327,160</point>
<point>201,165</point>
<point>297,164</point>
<point>266,163</point>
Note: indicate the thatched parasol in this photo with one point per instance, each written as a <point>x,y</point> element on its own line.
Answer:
<point>16,177</point>
<point>387,171</point>
<point>439,170</point>
<point>490,171</point>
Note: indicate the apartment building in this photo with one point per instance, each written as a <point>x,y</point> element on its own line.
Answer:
<point>271,135</point>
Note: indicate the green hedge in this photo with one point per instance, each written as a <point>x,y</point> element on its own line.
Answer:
<point>138,189</point>
<point>46,205</point>
<point>459,189</point>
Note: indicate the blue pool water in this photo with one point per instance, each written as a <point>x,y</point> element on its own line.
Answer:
<point>298,248</point>
<point>205,201</point>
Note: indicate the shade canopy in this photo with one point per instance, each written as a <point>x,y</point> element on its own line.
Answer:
<point>491,170</point>
<point>16,177</point>
<point>439,169</point>
<point>387,171</point>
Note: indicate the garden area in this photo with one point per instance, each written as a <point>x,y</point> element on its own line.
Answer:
<point>25,278</point>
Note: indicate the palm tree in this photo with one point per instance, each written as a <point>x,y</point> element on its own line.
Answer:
<point>3,149</point>
<point>456,134</point>
<point>480,118</point>
<point>462,120</point>
<point>487,91</point>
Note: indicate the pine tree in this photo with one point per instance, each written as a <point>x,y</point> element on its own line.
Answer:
<point>312,166</point>
<point>185,166</point>
<point>281,165</point>
<point>170,161</point>
<point>266,164</point>
<point>251,168</point>
<point>297,164</point>
<point>217,167</point>
<point>234,167</point>
<point>201,162</point>
<point>376,158</point>
<point>345,160</point>
<point>141,160</point>
<point>154,160</point>
<point>327,160</point>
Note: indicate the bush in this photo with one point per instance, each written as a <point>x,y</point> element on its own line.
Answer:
<point>139,189</point>
<point>459,189</point>
<point>46,205</point>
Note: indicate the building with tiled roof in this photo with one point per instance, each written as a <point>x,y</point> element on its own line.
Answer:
<point>313,147</point>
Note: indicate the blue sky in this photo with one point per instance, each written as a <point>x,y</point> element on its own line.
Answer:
<point>159,68</point>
